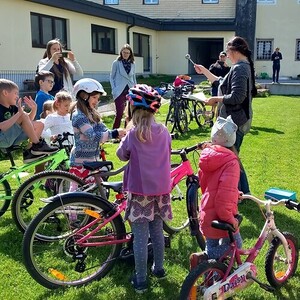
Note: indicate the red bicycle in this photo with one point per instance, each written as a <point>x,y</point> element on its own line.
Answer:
<point>224,278</point>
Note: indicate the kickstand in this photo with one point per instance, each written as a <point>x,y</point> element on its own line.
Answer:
<point>264,286</point>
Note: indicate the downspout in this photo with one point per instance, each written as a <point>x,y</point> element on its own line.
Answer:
<point>128,30</point>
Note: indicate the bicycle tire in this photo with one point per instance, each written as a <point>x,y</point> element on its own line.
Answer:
<point>28,199</point>
<point>181,119</point>
<point>199,113</point>
<point>200,278</point>
<point>60,262</point>
<point>278,269</point>
<point>5,191</point>
<point>170,119</point>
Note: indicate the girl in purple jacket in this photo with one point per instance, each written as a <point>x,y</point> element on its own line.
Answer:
<point>147,147</point>
<point>219,176</point>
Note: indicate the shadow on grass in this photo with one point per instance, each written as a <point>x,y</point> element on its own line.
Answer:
<point>255,130</point>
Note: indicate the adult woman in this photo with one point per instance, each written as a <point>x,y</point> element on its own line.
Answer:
<point>235,93</point>
<point>122,78</point>
<point>62,68</point>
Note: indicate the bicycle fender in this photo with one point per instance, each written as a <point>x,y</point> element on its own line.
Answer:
<point>192,203</point>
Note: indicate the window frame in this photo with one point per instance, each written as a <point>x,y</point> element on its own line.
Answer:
<point>297,50</point>
<point>264,56</point>
<point>112,48</point>
<point>42,43</point>
<point>117,2</point>
<point>266,2</point>
<point>150,2</point>
<point>210,1</point>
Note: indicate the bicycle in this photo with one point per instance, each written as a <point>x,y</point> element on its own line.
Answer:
<point>61,244</point>
<point>53,161</point>
<point>223,278</point>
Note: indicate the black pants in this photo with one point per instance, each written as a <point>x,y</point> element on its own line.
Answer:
<point>276,69</point>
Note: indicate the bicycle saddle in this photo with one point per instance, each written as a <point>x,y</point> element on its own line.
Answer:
<point>95,165</point>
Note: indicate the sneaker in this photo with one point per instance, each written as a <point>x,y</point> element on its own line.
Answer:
<point>42,148</point>
<point>159,273</point>
<point>140,287</point>
<point>273,82</point>
<point>28,157</point>
<point>197,258</point>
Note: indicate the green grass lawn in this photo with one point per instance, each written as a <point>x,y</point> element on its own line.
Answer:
<point>270,154</point>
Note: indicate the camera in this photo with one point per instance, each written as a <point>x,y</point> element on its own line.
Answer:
<point>64,53</point>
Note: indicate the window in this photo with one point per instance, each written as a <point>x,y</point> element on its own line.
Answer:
<point>111,2</point>
<point>103,39</point>
<point>210,1</point>
<point>298,49</point>
<point>141,47</point>
<point>45,28</point>
<point>150,1</point>
<point>264,49</point>
<point>266,1</point>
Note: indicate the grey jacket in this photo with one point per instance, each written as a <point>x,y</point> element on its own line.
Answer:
<point>236,88</point>
<point>119,78</point>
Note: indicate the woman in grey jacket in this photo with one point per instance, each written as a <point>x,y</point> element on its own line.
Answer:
<point>235,93</point>
<point>122,78</point>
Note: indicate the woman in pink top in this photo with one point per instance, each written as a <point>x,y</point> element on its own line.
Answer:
<point>147,147</point>
<point>219,176</point>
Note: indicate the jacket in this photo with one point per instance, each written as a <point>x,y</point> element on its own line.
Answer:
<point>119,78</point>
<point>219,176</point>
<point>237,99</point>
<point>149,166</point>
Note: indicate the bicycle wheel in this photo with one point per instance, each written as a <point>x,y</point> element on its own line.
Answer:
<point>199,113</point>
<point>181,119</point>
<point>278,268</point>
<point>180,219</point>
<point>170,119</point>
<point>200,278</point>
<point>5,195</point>
<point>31,196</point>
<point>61,261</point>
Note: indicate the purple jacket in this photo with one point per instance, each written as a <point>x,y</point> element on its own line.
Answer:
<point>149,167</point>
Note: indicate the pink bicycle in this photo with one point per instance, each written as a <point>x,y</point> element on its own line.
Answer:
<point>224,278</point>
<point>78,236</point>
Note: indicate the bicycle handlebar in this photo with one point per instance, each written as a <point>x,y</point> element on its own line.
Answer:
<point>198,146</point>
<point>273,202</point>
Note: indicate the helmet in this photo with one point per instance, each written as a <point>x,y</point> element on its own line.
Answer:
<point>142,95</point>
<point>89,86</point>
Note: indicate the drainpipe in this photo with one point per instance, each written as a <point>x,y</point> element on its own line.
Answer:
<point>128,29</point>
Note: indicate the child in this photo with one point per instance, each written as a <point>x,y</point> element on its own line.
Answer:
<point>47,109</point>
<point>219,176</point>
<point>89,130</point>
<point>147,147</point>
<point>16,125</point>
<point>45,81</point>
<point>60,121</point>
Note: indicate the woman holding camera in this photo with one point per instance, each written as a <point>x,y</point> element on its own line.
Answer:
<point>62,64</point>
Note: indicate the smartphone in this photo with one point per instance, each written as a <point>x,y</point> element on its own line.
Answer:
<point>64,53</point>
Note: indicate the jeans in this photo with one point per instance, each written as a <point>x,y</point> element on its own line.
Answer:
<point>276,69</point>
<point>243,183</point>
<point>120,104</point>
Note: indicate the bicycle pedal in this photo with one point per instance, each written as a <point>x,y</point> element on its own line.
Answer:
<point>167,241</point>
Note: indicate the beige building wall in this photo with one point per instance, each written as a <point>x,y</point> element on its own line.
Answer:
<point>279,22</point>
<point>16,48</point>
<point>178,9</point>
<point>173,46</point>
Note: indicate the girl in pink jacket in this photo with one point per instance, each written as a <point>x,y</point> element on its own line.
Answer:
<point>219,176</point>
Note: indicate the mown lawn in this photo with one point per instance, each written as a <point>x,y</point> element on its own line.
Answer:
<point>270,154</point>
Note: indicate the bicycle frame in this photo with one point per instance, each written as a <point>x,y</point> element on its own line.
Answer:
<point>246,271</point>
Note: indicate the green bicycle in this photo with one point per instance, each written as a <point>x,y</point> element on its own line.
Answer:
<point>13,178</point>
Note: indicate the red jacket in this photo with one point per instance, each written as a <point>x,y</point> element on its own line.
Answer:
<point>219,176</point>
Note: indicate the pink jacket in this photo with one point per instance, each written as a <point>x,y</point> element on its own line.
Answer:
<point>219,176</point>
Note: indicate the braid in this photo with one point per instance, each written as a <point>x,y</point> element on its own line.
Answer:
<point>254,89</point>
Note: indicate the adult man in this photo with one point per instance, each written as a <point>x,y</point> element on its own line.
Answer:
<point>276,58</point>
<point>220,69</point>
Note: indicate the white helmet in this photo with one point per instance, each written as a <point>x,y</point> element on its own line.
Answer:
<point>89,86</point>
